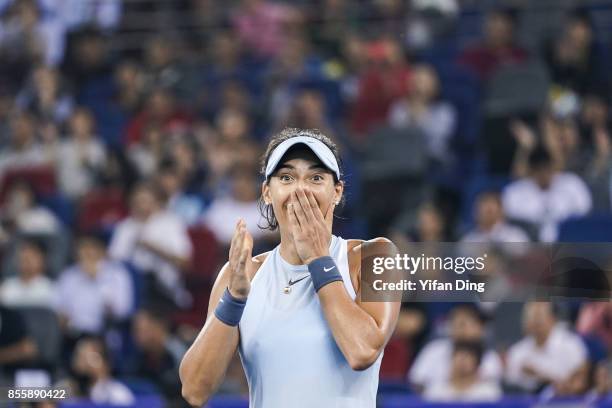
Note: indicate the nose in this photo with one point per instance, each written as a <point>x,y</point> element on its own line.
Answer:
<point>301,187</point>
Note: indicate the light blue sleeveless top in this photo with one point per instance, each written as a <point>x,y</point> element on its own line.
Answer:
<point>286,346</point>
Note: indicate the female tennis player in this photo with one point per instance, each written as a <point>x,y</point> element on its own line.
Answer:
<point>295,313</point>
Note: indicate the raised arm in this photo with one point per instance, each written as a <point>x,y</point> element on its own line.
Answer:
<point>204,365</point>
<point>361,330</point>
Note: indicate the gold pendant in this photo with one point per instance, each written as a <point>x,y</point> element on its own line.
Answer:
<point>287,290</point>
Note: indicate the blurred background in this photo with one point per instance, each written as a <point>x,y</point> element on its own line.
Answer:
<point>130,138</point>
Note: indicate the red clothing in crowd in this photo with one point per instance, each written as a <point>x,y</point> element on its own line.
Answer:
<point>484,60</point>
<point>378,88</point>
<point>177,122</point>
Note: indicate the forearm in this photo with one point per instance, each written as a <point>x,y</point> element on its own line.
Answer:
<point>358,335</point>
<point>205,363</point>
<point>21,351</point>
<point>177,261</point>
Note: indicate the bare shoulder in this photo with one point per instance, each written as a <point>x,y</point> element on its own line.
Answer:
<point>256,263</point>
<point>353,247</point>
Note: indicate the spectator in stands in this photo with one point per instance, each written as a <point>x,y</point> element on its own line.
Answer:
<point>79,13</point>
<point>242,201</point>
<point>188,207</point>
<point>386,78</point>
<point>158,353</point>
<point>205,14</point>
<point>31,287</point>
<point>464,383</point>
<point>156,242</point>
<point>94,291</point>
<point>308,111</point>
<point>162,67</point>
<point>17,348</point>
<point>81,156</point>
<point>434,363</point>
<point>491,225</point>
<point>421,108</point>
<point>596,126</point>
<point>226,63</point>
<point>430,24</point>
<point>187,158</point>
<point>297,62</point>
<point>331,23</point>
<point>350,63</point>
<point>129,80</point>
<point>22,214</point>
<point>410,334</point>
<point>263,25</point>
<point>92,369</point>
<point>88,65</point>
<point>549,353</point>
<point>546,197</point>
<point>428,225</point>
<point>594,320</point>
<point>232,147</point>
<point>23,149</point>
<point>115,107</point>
<point>574,59</point>
<point>27,34</point>
<point>387,17</point>
<point>498,47</point>
<point>46,96</point>
<point>578,384</point>
<point>162,110</point>
<point>147,154</point>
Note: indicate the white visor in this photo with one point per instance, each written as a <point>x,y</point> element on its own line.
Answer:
<point>319,148</point>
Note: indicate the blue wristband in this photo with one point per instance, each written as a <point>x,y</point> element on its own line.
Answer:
<point>323,270</point>
<point>229,309</point>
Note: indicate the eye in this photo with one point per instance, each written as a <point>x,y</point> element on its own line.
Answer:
<point>285,177</point>
<point>317,178</point>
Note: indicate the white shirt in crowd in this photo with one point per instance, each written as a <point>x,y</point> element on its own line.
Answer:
<point>36,292</point>
<point>11,159</point>
<point>567,196</point>
<point>481,391</point>
<point>561,355</point>
<point>37,220</point>
<point>111,392</point>
<point>223,213</point>
<point>438,124</point>
<point>77,164</point>
<point>164,230</point>
<point>433,364</point>
<point>86,300</point>
<point>500,233</point>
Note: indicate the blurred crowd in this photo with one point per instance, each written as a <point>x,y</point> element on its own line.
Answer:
<point>123,168</point>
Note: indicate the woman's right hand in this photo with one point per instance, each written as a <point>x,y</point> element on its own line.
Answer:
<point>240,254</point>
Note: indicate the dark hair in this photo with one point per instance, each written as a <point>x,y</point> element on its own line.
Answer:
<point>475,348</point>
<point>266,210</point>
<point>539,158</point>
<point>102,347</point>
<point>508,12</point>
<point>472,309</point>
<point>153,188</point>
<point>33,243</point>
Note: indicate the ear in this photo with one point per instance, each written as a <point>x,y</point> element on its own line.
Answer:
<point>265,193</point>
<point>339,191</point>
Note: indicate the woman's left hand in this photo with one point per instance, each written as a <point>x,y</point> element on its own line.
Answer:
<point>311,229</point>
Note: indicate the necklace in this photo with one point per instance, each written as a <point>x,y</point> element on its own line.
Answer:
<point>291,282</point>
